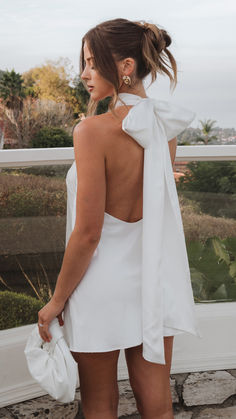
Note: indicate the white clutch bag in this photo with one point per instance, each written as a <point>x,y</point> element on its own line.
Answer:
<point>51,363</point>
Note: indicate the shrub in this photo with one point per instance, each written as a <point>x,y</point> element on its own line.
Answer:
<point>212,266</point>
<point>18,309</point>
<point>212,203</point>
<point>55,171</point>
<point>51,137</point>
<point>209,176</point>
<point>199,226</point>
<point>29,195</point>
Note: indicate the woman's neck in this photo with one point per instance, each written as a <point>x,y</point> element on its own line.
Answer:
<point>136,90</point>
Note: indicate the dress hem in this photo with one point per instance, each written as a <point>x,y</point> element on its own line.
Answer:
<point>106,350</point>
<point>174,333</point>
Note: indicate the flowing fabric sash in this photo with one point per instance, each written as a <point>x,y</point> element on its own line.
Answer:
<point>152,123</point>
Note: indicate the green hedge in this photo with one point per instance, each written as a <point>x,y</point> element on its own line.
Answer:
<point>51,137</point>
<point>18,309</point>
<point>209,176</point>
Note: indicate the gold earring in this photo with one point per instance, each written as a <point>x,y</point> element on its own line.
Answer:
<point>127,80</point>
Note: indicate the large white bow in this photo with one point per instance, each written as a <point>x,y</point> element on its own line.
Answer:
<point>165,270</point>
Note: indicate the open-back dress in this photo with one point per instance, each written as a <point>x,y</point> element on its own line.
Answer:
<point>137,287</point>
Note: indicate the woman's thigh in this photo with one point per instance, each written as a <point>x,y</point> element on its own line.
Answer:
<point>150,381</point>
<point>98,380</point>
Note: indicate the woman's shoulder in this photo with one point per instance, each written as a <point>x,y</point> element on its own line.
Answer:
<point>93,130</point>
<point>98,124</point>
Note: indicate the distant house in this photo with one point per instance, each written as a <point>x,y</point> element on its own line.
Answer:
<point>180,168</point>
<point>178,175</point>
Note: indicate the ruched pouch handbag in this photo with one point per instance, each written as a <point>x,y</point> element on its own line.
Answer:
<point>51,363</point>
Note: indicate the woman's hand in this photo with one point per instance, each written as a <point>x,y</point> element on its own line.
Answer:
<point>51,310</point>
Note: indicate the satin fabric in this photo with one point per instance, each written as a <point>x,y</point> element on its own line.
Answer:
<point>51,363</point>
<point>165,269</point>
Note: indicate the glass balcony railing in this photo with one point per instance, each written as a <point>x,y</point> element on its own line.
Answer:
<point>207,195</point>
<point>33,221</point>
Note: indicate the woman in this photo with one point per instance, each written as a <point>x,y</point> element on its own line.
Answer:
<point>110,286</point>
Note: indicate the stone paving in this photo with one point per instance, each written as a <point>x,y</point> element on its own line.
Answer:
<point>208,387</point>
<point>199,395</point>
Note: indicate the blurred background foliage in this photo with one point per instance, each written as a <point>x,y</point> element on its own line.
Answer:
<point>42,97</point>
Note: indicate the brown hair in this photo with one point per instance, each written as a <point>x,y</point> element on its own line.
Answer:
<point>117,39</point>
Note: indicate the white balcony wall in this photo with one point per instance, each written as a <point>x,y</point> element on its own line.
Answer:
<point>215,350</point>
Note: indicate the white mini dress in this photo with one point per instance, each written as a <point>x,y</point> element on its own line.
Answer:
<point>137,287</point>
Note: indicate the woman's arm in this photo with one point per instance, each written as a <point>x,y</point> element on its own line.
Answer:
<point>172,149</point>
<point>90,207</point>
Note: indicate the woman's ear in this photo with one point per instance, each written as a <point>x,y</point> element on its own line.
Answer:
<point>128,66</point>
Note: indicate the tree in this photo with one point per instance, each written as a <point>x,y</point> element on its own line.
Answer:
<point>212,176</point>
<point>34,115</point>
<point>50,81</point>
<point>51,137</point>
<point>207,127</point>
<point>103,105</point>
<point>82,96</point>
<point>12,94</point>
<point>12,90</point>
<point>23,112</point>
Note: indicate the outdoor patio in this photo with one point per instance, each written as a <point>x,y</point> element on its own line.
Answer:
<point>203,373</point>
<point>206,395</point>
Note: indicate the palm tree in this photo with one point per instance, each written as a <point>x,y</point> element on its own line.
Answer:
<point>12,93</point>
<point>207,127</point>
<point>11,89</point>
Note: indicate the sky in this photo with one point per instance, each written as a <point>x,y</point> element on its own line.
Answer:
<point>203,36</point>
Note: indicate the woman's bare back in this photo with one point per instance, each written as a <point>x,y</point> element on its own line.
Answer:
<point>124,167</point>
<point>124,170</point>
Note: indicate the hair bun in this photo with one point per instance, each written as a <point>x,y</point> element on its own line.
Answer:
<point>166,37</point>
<point>160,36</point>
